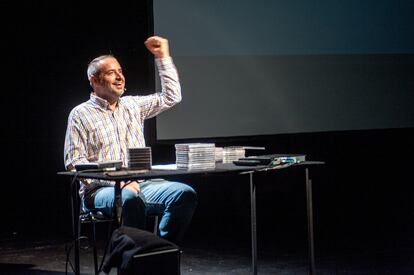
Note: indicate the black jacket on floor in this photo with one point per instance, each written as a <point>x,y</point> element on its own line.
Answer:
<point>126,242</point>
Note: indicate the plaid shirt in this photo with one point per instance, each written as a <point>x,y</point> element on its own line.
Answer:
<point>96,133</point>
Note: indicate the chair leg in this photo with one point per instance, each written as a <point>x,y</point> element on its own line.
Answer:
<point>95,253</point>
<point>155,225</point>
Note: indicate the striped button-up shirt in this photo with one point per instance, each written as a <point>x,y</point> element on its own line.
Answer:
<point>96,133</point>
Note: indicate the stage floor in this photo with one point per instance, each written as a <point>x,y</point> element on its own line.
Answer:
<point>22,255</point>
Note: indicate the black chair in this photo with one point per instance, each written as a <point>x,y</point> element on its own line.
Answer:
<point>94,217</point>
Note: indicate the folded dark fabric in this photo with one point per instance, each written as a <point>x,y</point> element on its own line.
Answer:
<point>127,242</point>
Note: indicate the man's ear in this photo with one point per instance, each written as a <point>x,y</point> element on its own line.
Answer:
<point>93,80</point>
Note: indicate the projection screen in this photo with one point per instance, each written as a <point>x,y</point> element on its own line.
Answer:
<point>268,67</point>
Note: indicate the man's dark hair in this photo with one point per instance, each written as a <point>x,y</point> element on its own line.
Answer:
<point>93,68</point>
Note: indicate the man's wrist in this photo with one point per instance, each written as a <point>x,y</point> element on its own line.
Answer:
<point>164,61</point>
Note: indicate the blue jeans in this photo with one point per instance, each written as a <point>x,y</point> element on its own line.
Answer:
<point>174,202</point>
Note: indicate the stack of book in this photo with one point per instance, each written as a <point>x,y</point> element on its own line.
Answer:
<point>233,153</point>
<point>219,154</point>
<point>195,155</point>
<point>139,158</point>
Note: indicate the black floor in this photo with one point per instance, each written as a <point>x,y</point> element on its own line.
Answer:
<point>46,255</point>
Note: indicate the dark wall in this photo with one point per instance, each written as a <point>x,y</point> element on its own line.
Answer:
<point>363,191</point>
<point>47,48</point>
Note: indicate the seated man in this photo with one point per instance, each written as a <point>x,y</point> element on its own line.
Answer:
<point>105,126</point>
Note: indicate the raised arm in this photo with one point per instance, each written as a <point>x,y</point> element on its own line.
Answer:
<point>170,93</point>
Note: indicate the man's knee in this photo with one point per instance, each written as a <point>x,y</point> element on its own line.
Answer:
<point>133,211</point>
<point>188,196</point>
<point>129,195</point>
<point>132,201</point>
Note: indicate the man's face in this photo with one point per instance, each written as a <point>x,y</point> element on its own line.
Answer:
<point>109,84</point>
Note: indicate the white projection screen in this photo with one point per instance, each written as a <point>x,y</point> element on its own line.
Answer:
<point>267,67</point>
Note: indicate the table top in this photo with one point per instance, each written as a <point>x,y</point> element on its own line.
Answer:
<point>127,174</point>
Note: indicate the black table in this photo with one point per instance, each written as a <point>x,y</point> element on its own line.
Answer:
<point>221,168</point>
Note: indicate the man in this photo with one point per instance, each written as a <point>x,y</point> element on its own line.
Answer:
<point>104,127</point>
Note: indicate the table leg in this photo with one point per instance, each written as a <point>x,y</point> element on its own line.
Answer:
<point>310,223</point>
<point>253,223</point>
<point>75,223</point>
<point>117,203</point>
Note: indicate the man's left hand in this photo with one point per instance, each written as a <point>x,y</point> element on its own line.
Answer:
<point>158,46</point>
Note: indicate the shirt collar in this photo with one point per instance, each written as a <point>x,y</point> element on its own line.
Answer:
<point>97,101</point>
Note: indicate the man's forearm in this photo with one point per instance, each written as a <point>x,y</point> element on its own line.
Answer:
<point>170,83</point>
